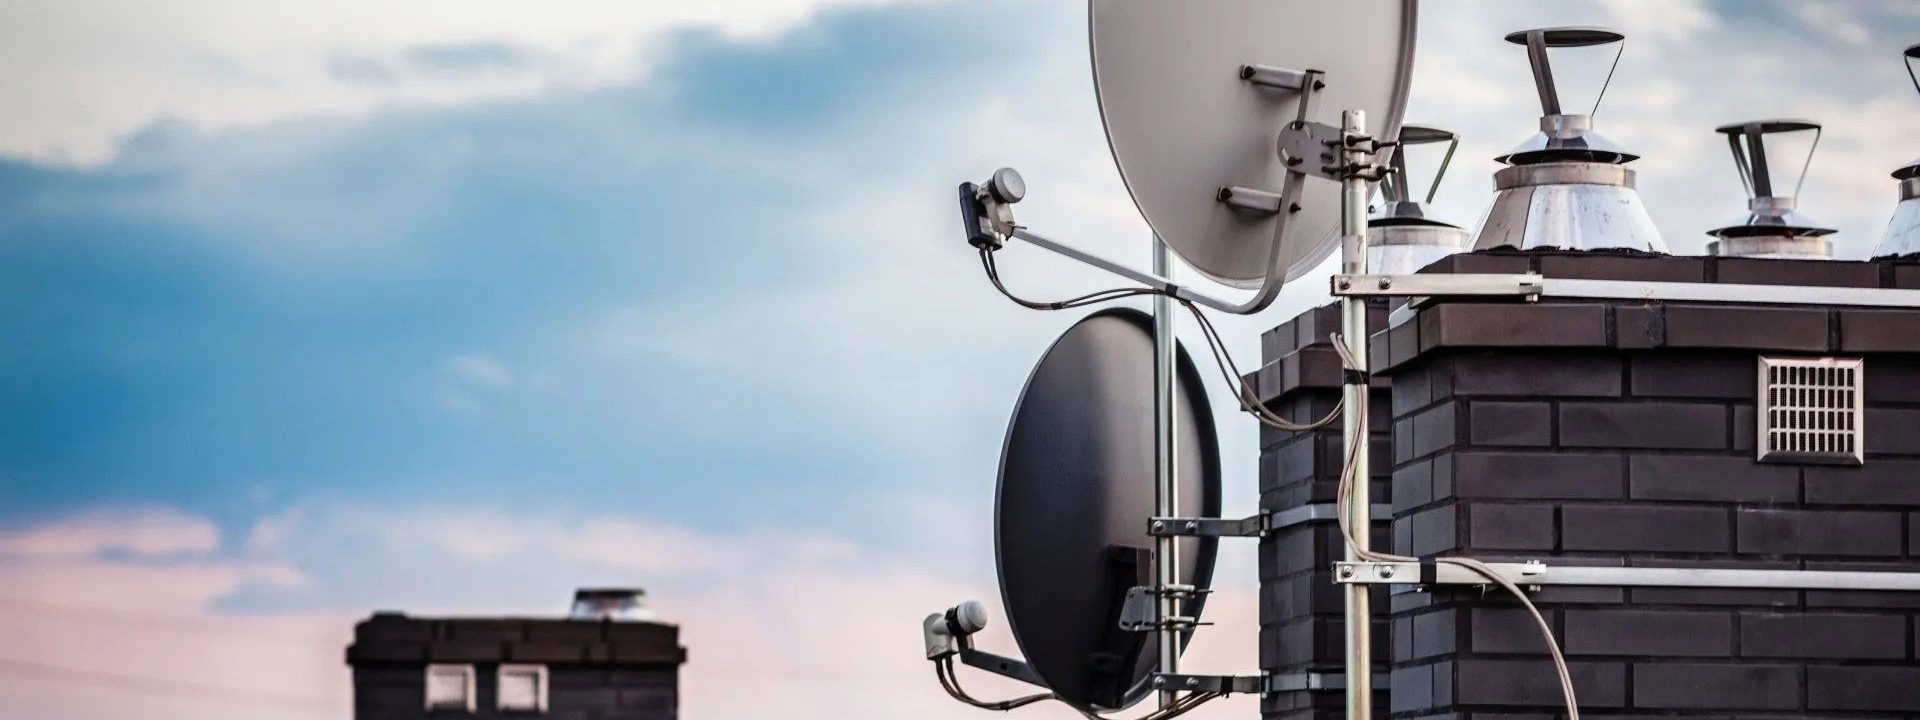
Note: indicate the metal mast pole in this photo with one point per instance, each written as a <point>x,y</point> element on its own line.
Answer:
<point>1353,417</point>
<point>1166,495</point>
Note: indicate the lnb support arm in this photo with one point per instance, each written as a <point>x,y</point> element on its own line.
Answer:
<point>986,210</point>
<point>950,633</point>
<point>989,224</point>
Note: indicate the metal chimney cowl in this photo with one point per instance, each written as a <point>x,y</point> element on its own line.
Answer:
<point>1772,227</point>
<point>1567,186</point>
<point>610,604</point>
<point>1403,238</point>
<point>1903,232</point>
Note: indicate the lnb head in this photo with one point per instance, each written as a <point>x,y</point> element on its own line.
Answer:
<point>945,633</point>
<point>986,209</point>
<point>1007,186</point>
<point>966,618</point>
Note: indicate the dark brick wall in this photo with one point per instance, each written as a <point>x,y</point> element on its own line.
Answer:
<point>1302,626</point>
<point>1623,435</point>
<point>595,670</point>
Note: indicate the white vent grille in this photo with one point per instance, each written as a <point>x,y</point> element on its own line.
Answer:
<point>1811,410</point>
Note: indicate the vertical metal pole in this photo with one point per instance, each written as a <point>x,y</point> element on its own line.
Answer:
<point>1353,418</point>
<point>1166,490</point>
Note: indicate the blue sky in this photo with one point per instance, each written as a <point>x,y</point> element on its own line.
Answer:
<point>363,308</point>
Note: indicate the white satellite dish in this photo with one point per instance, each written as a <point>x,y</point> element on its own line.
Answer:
<point>1185,120</point>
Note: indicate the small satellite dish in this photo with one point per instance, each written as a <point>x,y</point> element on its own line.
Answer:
<point>1184,122</point>
<point>1076,491</point>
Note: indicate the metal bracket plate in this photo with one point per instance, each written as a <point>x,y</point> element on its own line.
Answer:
<point>1535,573</point>
<point>1312,148</point>
<point>1138,612</point>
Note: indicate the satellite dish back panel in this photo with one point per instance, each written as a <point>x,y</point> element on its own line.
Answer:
<point>1183,124</point>
<point>1076,491</point>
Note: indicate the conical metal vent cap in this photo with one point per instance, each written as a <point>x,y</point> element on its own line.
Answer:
<point>1772,226</point>
<point>1404,236</point>
<point>1567,186</point>
<point>1903,231</point>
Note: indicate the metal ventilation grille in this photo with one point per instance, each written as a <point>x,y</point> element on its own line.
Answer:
<point>1811,410</point>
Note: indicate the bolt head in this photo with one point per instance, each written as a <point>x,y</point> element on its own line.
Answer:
<point>1193,682</point>
<point>1385,283</point>
<point>1346,571</point>
<point>1386,572</point>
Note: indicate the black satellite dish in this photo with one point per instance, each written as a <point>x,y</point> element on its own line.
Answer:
<point>1076,490</point>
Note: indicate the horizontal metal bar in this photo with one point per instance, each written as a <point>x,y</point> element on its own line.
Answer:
<point>1254,526</point>
<point>1269,683</point>
<point>1431,573</point>
<point>1735,578</point>
<point>1518,285</point>
<point>1729,292</point>
<point>1533,286</point>
<point>1274,77</point>
<point>1311,681</point>
<point>1252,200</point>
<point>1208,683</point>
<point>1534,573</point>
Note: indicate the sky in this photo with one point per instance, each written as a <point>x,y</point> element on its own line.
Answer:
<point>313,309</point>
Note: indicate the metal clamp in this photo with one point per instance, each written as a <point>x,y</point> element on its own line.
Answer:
<point>1256,526</point>
<point>1139,609</point>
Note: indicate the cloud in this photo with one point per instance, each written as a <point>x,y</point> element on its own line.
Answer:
<point>822,624</point>
<point>468,382</point>
<point>82,75</point>
<point>109,615</point>
<point>145,532</point>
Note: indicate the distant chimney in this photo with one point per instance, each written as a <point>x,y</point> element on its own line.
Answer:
<point>1403,237</point>
<point>614,604</point>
